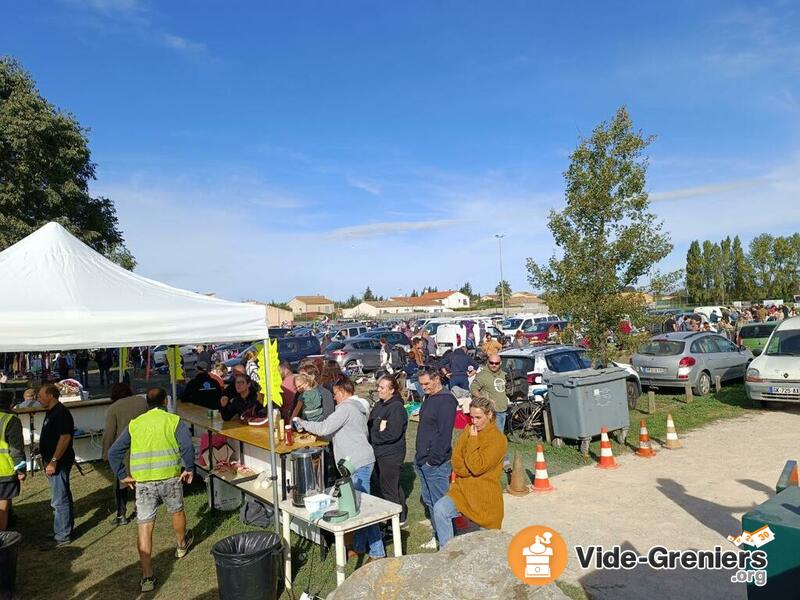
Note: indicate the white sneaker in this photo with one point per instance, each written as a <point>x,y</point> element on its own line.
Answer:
<point>430,545</point>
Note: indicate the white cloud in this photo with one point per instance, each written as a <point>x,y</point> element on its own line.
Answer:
<point>706,190</point>
<point>370,230</point>
<point>180,43</point>
<point>364,185</point>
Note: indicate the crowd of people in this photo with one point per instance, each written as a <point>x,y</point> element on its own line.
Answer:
<point>728,320</point>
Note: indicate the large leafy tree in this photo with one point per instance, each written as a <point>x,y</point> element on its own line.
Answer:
<point>606,236</point>
<point>45,169</point>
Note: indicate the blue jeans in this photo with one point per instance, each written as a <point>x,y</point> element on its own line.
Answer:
<point>434,481</point>
<point>443,514</point>
<point>369,536</point>
<point>459,381</point>
<point>61,501</point>
<point>500,419</point>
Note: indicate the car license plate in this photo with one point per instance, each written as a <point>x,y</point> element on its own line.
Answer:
<point>653,370</point>
<point>785,390</point>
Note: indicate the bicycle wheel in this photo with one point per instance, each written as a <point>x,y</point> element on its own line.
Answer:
<point>525,422</point>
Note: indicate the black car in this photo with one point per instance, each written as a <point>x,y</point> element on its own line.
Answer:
<point>291,349</point>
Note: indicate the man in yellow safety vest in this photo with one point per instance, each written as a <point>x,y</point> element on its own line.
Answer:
<point>159,442</point>
<point>12,456</point>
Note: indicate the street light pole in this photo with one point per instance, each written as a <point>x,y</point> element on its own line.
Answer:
<point>500,237</point>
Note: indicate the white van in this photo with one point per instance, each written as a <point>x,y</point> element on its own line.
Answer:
<point>520,321</point>
<point>774,375</point>
<point>707,310</point>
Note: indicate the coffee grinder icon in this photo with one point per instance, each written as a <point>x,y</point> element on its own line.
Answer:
<point>537,557</point>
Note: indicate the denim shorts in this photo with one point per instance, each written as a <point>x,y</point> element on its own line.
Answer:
<point>151,494</point>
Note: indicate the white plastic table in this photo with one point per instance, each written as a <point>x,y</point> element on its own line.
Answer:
<point>373,510</point>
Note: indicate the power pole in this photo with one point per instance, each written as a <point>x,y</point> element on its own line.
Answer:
<point>500,237</point>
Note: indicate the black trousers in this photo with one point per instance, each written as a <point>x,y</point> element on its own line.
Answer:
<point>388,470</point>
<point>121,497</point>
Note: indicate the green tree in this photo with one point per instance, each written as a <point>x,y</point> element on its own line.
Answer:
<point>45,170</point>
<point>724,261</point>
<point>695,282</point>
<point>711,276</point>
<point>663,284</point>
<point>762,265</point>
<point>368,295</point>
<point>606,235</point>
<point>466,289</point>
<point>741,275</point>
<point>503,288</point>
<point>414,294</point>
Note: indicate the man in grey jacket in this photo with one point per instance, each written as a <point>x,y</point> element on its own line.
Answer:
<point>348,426</point>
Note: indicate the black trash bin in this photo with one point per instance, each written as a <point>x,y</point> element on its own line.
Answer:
<point>9,548</point>
<point>248,566</point>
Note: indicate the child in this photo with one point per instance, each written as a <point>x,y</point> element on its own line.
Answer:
<point>29,399</point>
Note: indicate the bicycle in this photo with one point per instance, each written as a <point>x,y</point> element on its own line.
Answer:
<point>526,419</point>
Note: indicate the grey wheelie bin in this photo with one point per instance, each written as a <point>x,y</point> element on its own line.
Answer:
<point>582,402</point>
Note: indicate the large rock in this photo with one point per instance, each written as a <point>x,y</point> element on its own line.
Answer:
<point>470,567</point>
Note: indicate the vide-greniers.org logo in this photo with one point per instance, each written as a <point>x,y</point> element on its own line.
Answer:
<point>751,564</point>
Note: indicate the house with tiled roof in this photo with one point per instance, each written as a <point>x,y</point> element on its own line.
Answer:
<point>311,304</point>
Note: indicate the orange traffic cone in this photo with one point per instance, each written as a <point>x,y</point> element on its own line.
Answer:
<point>606,456</point>
<point>673,443</point>
<point>518,487</point>
<point>541,482</point>
<point>644,451</point>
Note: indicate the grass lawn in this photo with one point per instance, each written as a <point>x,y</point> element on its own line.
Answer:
<point>102,562</point>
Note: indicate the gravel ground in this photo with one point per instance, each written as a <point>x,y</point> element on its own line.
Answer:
<point>688,498</point>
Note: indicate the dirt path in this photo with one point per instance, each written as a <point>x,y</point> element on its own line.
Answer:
<point>688,498</point>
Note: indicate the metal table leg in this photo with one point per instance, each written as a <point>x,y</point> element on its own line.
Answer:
<point>210,476</point>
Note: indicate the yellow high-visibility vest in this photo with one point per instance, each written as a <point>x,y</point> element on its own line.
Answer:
<point>6,462</point>
<point>155,454</point>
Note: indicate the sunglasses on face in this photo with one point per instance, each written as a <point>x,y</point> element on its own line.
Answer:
<point>493,363</point>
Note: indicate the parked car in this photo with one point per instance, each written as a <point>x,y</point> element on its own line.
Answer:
<point>291,349</point>
<point>529,368</point>
<point>755,335</point>
<point>159,353</point>
<point>511,325</point>
<point>347,353</point>
<point>393,338</point>
<point>349,329</point>
<point>279,332</point>
<point>538,332</point>
<point>693,357</point>
<point>775,374</point>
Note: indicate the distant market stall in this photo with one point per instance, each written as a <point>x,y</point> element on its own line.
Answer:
<point>59,294</point>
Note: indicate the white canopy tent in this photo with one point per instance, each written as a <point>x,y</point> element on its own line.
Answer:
<point>56,293</point>
<point>59,294</point>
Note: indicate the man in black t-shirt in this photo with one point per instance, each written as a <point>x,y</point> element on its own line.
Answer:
<point>55,445</point>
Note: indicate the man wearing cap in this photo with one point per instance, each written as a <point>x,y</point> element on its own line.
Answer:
<point>202,389</point>
<point>158,442</point>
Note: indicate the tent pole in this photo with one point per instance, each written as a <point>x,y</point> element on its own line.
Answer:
<point>174,381</point>
<point>271,434</point>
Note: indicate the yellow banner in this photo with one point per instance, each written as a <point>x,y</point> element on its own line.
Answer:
<point>123,362</point>
<point>272,364</point>
<point>174,361</point>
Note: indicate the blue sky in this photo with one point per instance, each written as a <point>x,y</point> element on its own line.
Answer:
<point>262,150</point>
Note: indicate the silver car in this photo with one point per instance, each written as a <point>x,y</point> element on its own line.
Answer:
<point>348,353</point>
<point>693,357</point>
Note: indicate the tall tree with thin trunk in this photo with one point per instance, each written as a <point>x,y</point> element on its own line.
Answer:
<point>606,236</point>
<point>695,281</point>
